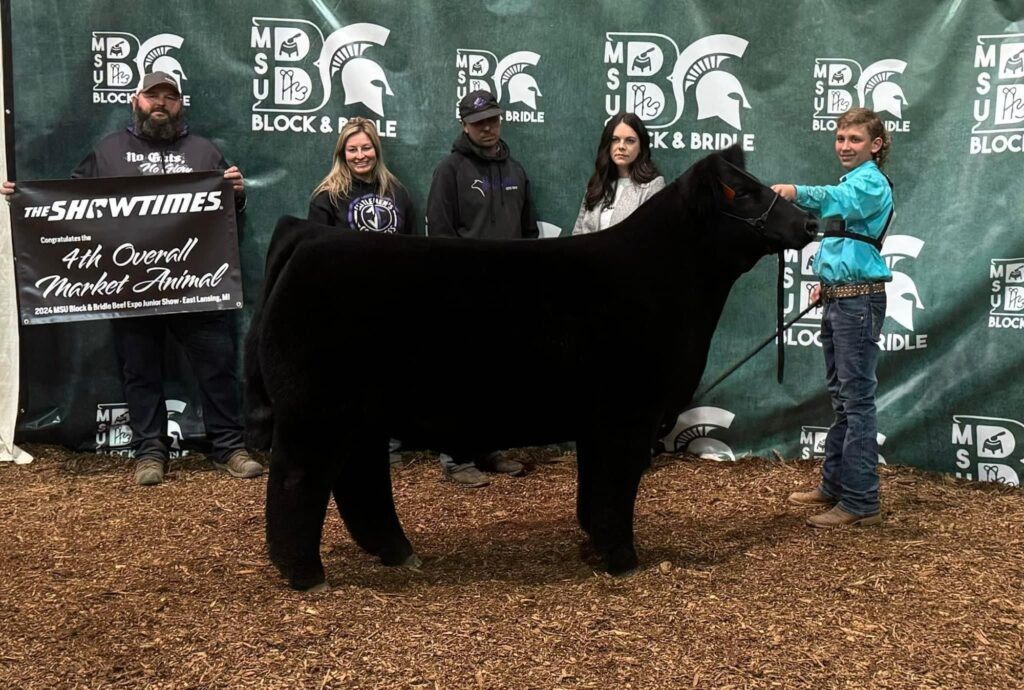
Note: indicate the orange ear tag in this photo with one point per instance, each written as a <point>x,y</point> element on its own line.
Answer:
<point>730,193</point>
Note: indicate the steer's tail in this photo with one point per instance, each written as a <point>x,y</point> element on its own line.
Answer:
<point>258,406</point>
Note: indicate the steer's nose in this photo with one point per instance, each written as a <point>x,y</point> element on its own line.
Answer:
<point>811,228</point>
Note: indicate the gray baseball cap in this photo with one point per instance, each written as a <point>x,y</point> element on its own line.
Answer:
<point>154,79</point>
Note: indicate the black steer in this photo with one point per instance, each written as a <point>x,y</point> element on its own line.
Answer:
<point>468,346</point>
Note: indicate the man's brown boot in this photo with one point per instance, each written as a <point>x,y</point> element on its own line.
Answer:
<point>814,497</point>
<point>149,471</point>
<point>837,517</point>
<point>241,465</point>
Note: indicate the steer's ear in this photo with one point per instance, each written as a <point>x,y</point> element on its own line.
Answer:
<point>705,189</point>
<point>734,155</point>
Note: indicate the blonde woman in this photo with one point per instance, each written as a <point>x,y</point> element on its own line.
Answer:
<point>360,192</point>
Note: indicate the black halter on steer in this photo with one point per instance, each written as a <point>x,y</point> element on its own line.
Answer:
<point>834,228</point>
<point>759,224</point>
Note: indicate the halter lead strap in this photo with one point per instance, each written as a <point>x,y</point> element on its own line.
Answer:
<point>759,223</point>
<point>836,227</point>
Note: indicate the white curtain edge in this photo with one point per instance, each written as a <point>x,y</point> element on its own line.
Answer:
<point>8,317</point>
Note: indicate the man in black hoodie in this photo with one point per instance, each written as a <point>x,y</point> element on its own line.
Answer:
<point>158,142</point>
<point>480,192</point>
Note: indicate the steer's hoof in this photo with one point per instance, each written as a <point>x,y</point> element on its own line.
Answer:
<point>401,557</point>
<point>623,562</point>
<point>314,582</point>
<point>309,585</point>
<point>590,555</point>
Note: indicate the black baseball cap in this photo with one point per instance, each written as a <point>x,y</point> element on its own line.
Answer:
<point>478,105</point>
<point>154,79</point>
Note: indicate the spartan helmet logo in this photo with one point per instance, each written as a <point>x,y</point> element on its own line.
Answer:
<point>901,293</point>
<point>886,96</point>
<point>510,77</point>
<point>692,430</point>
<point>153,57</point>
<point>362,79</point>
<point>175,411</point>
<point>719,93</point>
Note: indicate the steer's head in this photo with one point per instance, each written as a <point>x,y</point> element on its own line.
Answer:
<point>744,212</point>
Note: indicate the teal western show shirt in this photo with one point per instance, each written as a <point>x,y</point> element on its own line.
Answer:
<point>863,199</point>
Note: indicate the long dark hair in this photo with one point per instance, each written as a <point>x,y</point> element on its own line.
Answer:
<point>601,186</point>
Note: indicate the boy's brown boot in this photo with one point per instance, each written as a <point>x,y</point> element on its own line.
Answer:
<point>837,517</point>
<point>814,497</point>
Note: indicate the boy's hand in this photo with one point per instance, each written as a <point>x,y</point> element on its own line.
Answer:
<point>786,191</point>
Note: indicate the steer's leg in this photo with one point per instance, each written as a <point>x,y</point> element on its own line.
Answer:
<point>617,458</point>
<point>584,486</point>
<point>298,489</point>
<point>362,492</point>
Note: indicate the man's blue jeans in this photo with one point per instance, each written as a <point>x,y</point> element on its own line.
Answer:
<point>850,328</point>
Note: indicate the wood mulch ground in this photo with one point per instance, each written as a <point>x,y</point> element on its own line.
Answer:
<point>109,585</point>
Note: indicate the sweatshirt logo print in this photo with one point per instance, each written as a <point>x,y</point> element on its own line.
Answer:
<point>159,163</point>
<point>372,213</point>
<point>508,182</point>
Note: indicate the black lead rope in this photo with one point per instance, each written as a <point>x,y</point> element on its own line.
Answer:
<point>759,225</point>
<point>783,327</point>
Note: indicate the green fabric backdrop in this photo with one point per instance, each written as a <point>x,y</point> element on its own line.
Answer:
<point>948,77</point>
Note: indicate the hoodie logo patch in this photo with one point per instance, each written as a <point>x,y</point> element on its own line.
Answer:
<point>483,186</point>
<point>157,163</point>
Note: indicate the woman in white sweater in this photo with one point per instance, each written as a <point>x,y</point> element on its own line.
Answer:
<point>624,175</point>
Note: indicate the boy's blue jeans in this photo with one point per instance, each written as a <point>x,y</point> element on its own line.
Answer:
<point>850,328</point>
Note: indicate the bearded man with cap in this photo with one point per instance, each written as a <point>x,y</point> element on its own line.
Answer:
<point>158,142</point>
<point>479,191</point>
